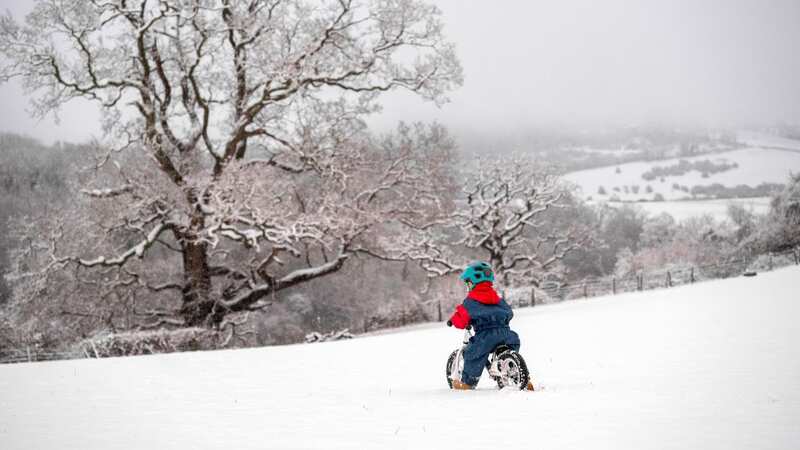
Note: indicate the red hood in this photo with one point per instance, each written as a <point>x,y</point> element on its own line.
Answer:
<point>484,293</point>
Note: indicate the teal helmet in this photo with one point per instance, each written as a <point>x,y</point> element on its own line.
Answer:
<point>477,272</point>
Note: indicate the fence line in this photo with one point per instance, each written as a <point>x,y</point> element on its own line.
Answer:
<point>658,279</point>
<point>35,355</point>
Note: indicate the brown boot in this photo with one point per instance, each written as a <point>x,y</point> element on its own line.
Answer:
<point>529,387</point>
<point>458,385</point>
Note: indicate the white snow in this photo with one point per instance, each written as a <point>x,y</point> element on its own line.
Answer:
<point>760,139</point>
<point>756,166</point>
<point>709,366</point>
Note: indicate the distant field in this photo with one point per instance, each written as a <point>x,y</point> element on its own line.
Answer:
<point>682,210</point>
<point>761,140</point>
<point>755,166</point>
<point>767,159</point>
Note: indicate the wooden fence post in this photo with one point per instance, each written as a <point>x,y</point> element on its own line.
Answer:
<point>614,286</point>
<point>533,297</point>
<point>691,276</point>
<point>796,252</point>
<point>440,309</point>
<point>584,290</point>
<point>770,260</point>
<point>669,279</point>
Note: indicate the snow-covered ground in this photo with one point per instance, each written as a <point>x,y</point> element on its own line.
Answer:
<point>759,139</point>
<point>710,366</point>
<point>682,210</point>
<point>756,166</point>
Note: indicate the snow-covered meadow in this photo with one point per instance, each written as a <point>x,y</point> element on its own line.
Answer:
<point>760,139</point>
<point>713,366</point>
<point>755,166</point>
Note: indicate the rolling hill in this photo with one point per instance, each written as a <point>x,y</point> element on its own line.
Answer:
<point>713,365</point>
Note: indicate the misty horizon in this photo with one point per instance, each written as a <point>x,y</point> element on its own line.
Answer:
<point>573,66</point>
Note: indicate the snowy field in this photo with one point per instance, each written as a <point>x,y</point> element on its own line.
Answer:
<point>756,166</point>
<point>758,139</point>
<point>718,209</point>
<point>709,366</point>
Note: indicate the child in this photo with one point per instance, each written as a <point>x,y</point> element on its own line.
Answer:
<point>489,316</point>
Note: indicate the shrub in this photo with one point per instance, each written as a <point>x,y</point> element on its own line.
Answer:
<point>105,344</point>
<point>762,263</point>
<point>314,337</point>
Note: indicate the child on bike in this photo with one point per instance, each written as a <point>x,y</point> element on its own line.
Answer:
<point>489,316</point>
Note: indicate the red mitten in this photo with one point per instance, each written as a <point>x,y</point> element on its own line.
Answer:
<point>460,318</point>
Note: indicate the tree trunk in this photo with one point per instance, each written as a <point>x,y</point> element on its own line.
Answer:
<point>198,308</point>
<point>496,261</point>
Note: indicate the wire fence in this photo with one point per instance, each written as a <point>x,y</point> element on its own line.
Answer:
<point>648,280</point>
<point>33,354</point>
<point>531,296</point>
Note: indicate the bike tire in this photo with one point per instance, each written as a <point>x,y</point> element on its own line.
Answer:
<point>511,360</point>
<point>448,370</point>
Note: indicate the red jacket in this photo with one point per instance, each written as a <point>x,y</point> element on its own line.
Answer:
<point>482,293</point>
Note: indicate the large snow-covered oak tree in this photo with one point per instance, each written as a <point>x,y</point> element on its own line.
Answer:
<point>234,142</point>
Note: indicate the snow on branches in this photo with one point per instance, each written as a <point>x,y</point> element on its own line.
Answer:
<point>513,213</point>
<point>242,162</point>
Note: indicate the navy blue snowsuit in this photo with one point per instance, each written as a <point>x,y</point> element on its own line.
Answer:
<point>490,319</point>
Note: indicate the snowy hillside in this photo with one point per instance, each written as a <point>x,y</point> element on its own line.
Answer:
<point>712,366</point>
<point>758,139</point>
<point>754,166</point>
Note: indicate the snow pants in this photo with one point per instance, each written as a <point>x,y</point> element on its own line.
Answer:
<point>480,346</point>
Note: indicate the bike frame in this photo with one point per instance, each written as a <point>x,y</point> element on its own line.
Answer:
<point>458,364</point>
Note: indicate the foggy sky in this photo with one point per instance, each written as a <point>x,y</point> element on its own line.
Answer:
<point>530,63</point>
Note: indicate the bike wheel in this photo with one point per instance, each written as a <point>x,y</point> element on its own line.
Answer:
<point>451,361</point>
<point>513,370</point>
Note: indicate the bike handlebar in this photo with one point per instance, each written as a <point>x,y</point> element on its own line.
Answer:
<point>450,324</point>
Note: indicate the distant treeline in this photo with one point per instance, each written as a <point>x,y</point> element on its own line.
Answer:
<point>574,150</point>
<point>717,190</point>
<point>706,167</point>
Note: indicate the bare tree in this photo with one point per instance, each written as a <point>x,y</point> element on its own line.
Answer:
<point>235,139</point>
<point>513,213</point>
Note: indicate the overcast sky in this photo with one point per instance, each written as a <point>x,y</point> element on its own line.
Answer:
<point>532,63</point>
